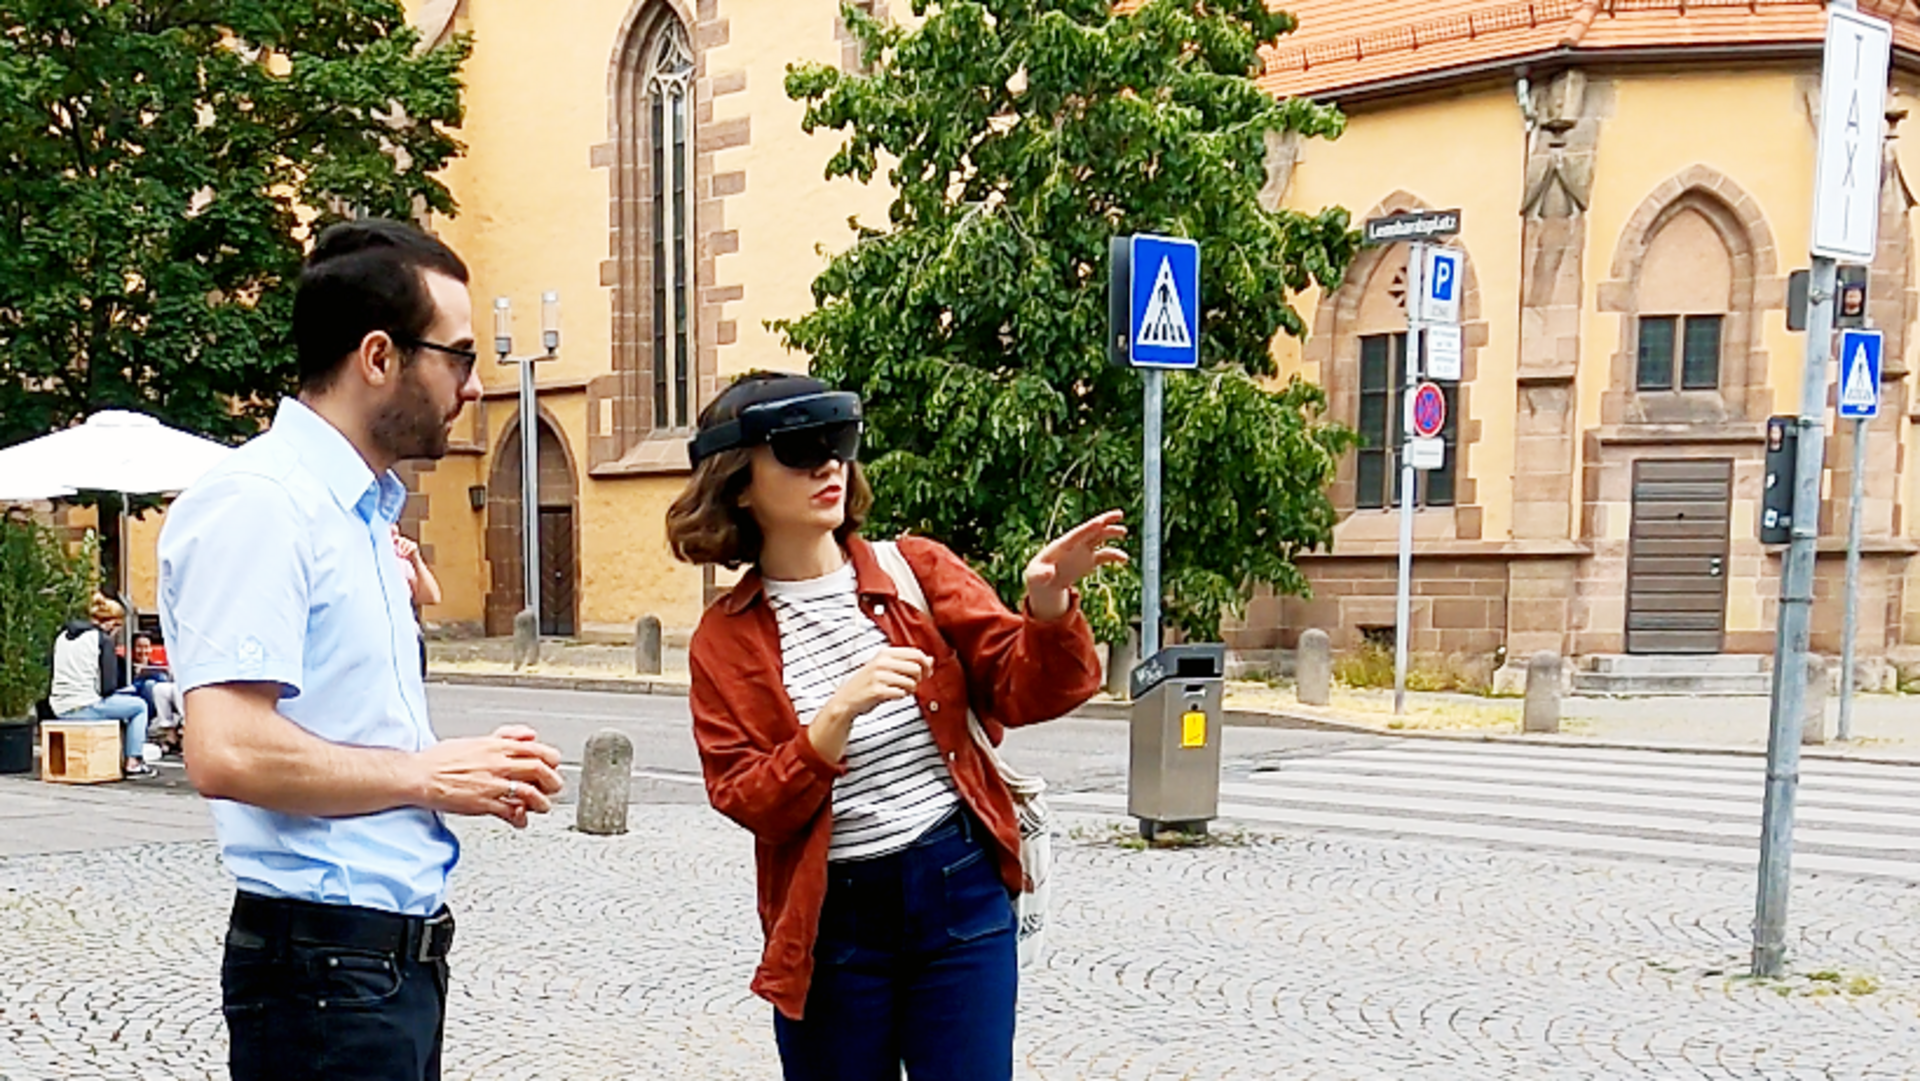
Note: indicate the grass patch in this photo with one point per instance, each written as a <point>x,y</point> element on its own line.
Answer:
<point>1121,835</point>
<point>1370,667</point>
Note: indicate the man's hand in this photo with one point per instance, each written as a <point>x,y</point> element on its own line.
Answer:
<point>506,775</point>
<point>239,747</point>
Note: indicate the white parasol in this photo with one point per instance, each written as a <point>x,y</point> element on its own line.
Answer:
<point>114,451</point>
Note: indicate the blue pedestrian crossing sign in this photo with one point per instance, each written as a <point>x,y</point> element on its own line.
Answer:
<point>1859,374</point>
<point>1163,302</point>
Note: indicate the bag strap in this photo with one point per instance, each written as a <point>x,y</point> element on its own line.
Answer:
<point>907,584</point>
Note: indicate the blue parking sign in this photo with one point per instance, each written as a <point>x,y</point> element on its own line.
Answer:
<point>1440,278</point>
<point>1859,374</point>
<point>1164,293</point>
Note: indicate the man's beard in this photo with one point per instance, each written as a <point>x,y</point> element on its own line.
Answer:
<point>409,426</point>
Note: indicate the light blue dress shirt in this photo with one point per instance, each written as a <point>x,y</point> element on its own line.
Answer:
<point>278,566</point>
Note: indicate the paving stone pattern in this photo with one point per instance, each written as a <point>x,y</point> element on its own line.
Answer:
<point>1270,956</point>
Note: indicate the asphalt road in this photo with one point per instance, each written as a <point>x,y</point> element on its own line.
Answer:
<point>1071,753</point>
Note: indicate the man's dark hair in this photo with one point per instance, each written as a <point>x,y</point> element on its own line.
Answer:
<point>364,276</point>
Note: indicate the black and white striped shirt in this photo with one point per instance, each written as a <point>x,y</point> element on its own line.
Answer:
<point>896,784</point>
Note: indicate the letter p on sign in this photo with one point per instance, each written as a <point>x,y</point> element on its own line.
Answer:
<point>1440,292</point>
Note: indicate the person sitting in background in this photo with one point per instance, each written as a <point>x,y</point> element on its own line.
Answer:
<point>89,682</point>
<point>154,684</point>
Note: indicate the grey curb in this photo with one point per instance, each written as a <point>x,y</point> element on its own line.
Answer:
<point>1234,718</point>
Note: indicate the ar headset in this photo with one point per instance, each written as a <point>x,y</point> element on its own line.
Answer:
<point>804,432</point>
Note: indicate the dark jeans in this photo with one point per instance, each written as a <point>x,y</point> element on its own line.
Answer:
<point>915,965</point>
<point>315,992</point>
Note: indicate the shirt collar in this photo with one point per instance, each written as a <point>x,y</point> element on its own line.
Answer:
<point>329,455</point>
<point>871,579</point>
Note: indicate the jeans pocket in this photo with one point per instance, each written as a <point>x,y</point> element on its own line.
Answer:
<point>345,978</point>
<point>251,978</point>
<point>977,902</point>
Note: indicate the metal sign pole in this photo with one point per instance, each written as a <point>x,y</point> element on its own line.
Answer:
<point>1790,643</point>
<point>530,490</point>
<point>1853,578</point>
<point>1155,381</point>
<point>1403,599</point>
<point>1853,85</point>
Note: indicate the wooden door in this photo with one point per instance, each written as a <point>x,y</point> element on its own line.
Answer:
<point>1677,557</point>
<point>556,571</point>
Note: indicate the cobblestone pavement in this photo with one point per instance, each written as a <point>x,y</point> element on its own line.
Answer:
<point>1264,956</point>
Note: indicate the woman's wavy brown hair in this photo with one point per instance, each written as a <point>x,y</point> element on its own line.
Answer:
<point>707,524</point>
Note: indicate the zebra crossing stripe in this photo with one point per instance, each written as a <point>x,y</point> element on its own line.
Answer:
<point>1862,821</point>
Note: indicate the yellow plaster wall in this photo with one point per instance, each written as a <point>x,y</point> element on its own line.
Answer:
<point>454,535</point>
<point>1466,151</point>
<point>535,216</point>
<point>789,208</point>
<point>1751,127</point>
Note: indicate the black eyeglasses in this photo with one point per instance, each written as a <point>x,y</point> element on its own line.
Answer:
<point>467,358</point>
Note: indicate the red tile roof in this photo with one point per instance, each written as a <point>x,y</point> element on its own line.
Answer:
<point>1342,45</point>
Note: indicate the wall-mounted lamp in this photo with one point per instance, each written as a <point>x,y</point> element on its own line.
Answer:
<point>550,321</point>
<point>477,497</point>
<point>502,327</point>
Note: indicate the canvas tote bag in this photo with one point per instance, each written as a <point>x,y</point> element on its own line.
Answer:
<point>1029,791</point>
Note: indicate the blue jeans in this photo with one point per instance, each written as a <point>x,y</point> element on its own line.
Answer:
<point>915,965</point>
<point>125,707</point>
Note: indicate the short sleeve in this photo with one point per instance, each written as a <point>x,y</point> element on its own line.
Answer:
<point>234,584</point>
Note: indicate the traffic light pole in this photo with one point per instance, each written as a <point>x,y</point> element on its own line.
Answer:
<point>1791,641</point>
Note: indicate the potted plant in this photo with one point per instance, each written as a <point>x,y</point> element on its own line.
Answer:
<point>43,582</point>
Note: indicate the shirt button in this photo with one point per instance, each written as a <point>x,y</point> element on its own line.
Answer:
<point>934,706</point>
<point>950,756</point>
<point>879,609</point>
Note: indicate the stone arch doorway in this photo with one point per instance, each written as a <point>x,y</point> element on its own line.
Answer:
<point>559,534</point>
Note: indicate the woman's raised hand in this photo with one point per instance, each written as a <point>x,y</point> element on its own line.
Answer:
<point>1082,550</point>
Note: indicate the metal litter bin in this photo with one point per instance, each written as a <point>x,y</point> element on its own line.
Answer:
<point>1173,774</point>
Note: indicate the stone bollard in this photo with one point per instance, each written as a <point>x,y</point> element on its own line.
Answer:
<point>1313,668</point>
<point>1813,713</point>
<point>646,646</point>
<point>1542,711</point>
<point>605,780</point>
<point>526,638</point>
<point>1121,659</point>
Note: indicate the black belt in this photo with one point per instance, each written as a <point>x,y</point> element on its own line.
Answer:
<point>419,938</point>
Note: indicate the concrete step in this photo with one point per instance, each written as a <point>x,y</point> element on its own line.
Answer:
<point>1690,664</point>
<point>1671,683</point>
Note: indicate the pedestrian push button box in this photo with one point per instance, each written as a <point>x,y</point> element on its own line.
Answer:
<point>1173,776</point>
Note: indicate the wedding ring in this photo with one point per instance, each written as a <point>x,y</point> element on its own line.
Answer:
<point>513,792</point>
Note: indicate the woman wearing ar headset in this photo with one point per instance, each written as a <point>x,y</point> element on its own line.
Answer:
<point>831,718</point>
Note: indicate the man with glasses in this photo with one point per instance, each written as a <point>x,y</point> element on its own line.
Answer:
<point>292,636</point>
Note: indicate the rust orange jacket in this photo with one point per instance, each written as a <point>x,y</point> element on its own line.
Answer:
<point>764,773</point>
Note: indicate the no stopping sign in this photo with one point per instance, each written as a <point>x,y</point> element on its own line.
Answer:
<point>1428,411</point>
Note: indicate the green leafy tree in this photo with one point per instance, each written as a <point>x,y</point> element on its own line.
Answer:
<point>1019,136</point>
<point>43,583</point>
<point>160,166</point>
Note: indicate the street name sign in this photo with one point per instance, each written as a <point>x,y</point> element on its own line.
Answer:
<point>1420,225</point>
<point>1860,374</point>
<point>1853,96</point>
